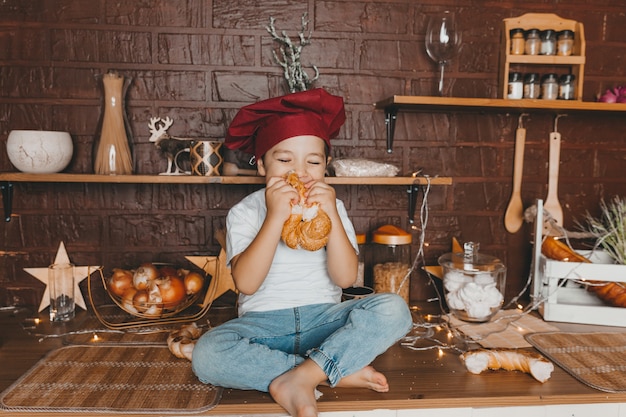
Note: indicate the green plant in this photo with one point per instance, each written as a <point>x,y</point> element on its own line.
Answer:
<point>610,229</point>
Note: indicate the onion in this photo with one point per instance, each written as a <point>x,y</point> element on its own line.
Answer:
<point>167,271</point>
<point>127,300</point>
<point>145,273</point>
<point>141,301</point>
<point>614,95</point>
<point>193,283</point>
<point>120,281</point>
<point>172,291</point>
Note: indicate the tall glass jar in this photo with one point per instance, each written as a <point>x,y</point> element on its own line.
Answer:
<point>360,278</point>
<point>517,41</point>
<point>473,283</point>
<point>391,252</point>
<point>565,42</point>
<point>113,143</point>
<point>549,87</point>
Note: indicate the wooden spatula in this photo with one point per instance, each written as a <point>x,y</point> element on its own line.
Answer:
<point>514,215</point>
<point>552,204</point>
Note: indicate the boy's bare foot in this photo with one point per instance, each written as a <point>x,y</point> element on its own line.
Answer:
<point>367,377</point>
<point>295,390</point>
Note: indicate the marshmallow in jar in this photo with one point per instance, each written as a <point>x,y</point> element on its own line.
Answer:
<point>473,283</point>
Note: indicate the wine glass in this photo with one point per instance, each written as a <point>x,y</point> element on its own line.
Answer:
<point>443,40</point>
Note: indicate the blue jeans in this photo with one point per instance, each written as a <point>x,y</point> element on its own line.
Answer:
<point>249,352</point>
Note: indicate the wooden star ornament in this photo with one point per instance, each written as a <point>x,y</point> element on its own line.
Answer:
<point>221,278</point>
<point>80,273</point>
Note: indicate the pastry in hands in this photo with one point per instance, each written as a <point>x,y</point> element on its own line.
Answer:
<point>308,226</point>
<point>479,360</point>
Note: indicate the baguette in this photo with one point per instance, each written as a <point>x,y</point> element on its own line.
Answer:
<point>613,293</point>
<point>479,360</point>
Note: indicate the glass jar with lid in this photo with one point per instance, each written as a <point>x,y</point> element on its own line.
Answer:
<point>473,283</point>
<point>391,258</point>
<point>549,87</point>
<point>566,87</point>
<point>532,45</point>
<point>532,85</point>
<point>565,42</point>
<point>548,42</point>
<point>517,41</point>
<point>516,86</point>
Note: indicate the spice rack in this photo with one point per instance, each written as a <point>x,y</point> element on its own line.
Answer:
<point>572,64</point>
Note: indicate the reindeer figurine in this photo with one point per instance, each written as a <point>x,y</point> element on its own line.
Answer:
<point>171,146</point>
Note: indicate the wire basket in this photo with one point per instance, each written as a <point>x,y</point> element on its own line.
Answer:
<point>139,302</point>
<point>189,308</point>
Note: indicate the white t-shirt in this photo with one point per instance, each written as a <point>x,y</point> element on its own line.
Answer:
<point>297,277</point>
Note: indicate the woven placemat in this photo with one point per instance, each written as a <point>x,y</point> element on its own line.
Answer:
<point>596,359</point>
<point>128,379</point>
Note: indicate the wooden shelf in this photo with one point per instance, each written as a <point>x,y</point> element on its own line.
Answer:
<point>431,104</point>
<point>451,104</point>
<point>189,179</point>
<point>8,178</point>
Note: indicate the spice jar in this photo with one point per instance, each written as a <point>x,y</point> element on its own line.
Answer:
<point>549,87</point>
<point>391,258</point>
<point>566,87</point>
<point>532,45</point>
<point>473,283</point>
<point>516,87</point>
<point>517,41</point>
<point>532,86</point>
<point>548,42</point>
<point>565,42</point>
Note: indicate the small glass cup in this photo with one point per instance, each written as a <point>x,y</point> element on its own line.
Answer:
<point>61,288</point>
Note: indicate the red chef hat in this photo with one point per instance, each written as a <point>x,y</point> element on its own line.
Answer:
<point>258,127</point>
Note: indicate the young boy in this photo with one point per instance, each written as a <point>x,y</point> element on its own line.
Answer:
<point>293,333</point>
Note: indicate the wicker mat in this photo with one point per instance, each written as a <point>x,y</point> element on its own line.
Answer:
<point>129,379</point>
<point>595,359</point>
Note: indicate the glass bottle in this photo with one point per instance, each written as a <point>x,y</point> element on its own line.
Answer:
<point>565,42</point>
<point>517,41</point>
<point>549,87</point>
<point>112,145</point>
<point>391,258</point>
<point>532,86</point>
<point>533,42</point>
<point>566,87</point>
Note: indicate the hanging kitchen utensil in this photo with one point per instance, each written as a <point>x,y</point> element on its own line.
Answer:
<point>552,204</point>
<point>514,215</point>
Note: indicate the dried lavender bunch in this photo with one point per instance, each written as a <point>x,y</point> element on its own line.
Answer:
<point>297,79</point>
<point>610,229</point>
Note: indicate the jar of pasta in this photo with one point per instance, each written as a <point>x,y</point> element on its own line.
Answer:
<point>391,253</point>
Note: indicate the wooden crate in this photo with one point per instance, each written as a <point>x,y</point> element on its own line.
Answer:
<point>573,64</point>
<point>557,286</point>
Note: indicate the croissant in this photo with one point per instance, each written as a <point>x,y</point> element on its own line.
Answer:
<point>308,226</point>
<point>479,360</point>
<point>181,342</point>
<point>613,293</point>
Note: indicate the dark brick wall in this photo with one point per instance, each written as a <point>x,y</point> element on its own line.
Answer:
<point>199,61</point>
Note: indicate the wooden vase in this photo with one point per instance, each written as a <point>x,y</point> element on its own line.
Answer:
<point>112,152</point>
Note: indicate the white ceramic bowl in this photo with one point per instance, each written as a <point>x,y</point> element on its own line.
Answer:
<point>39,151</point>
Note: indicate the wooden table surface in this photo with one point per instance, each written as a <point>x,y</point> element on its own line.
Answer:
<point>418,379</point>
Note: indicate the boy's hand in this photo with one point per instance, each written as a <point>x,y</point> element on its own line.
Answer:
<point>278,198</point>
<point>322,194</point>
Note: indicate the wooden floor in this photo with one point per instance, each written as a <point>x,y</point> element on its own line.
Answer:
<point>418,379</point>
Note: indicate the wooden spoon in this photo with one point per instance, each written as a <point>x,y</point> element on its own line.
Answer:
<point>552,204</point>
<point>514,215</point>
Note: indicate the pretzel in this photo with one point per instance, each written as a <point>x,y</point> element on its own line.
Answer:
<point>308,226</point>
<point>479,360</point>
